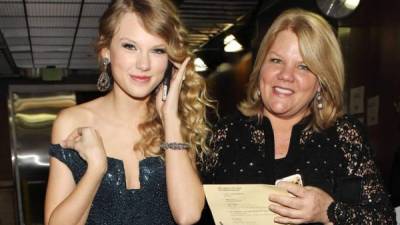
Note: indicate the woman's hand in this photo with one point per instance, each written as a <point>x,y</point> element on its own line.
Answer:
<point>88,143</point>
<point>168,109</point>
<point>307,205</point>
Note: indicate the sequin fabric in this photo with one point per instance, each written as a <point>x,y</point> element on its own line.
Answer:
<point>338,160</point>
<point>114,204</point>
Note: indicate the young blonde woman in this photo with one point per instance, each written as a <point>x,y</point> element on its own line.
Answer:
<point>129,157</point>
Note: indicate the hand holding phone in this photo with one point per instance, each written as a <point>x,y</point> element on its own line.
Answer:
<point>166,81</point>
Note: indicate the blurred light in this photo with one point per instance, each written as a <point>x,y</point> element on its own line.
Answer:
<point>60,101</point>
<point>351,4</point>
<point>228,39</point>
<point>231,44</point>
<point>199,65</point>
<point>36,118</point>
<point>34,158</point>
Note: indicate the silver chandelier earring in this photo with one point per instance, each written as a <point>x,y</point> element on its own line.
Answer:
<point>104,81</point>
<point>319,100</point>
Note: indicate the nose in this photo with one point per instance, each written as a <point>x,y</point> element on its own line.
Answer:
<point>143,62</point>
<point>287,73</point>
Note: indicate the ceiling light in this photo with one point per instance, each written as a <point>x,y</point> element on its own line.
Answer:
<point>199,65</point>
<point>228,39</point>
<point>351,4</point>
<point>231,44</point>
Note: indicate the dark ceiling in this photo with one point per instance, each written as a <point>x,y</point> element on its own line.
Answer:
<point>38,34</point>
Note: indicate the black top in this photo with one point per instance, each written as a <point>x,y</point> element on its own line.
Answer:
<point>338,160</point>
<point>114,204</point>
<point>395,179</point>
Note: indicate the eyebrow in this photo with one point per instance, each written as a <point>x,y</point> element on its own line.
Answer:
<point>272,52</point>
<point>275,53</point>
<point>130,40</point>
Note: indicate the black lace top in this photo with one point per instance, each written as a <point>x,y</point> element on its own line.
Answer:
<point>338,160</point>
<point>116,205</point>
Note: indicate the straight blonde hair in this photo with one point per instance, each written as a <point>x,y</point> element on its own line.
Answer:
<point>320,51</point>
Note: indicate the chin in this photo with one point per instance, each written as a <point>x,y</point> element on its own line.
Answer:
<point>279,108</point>
<point>139,93</point>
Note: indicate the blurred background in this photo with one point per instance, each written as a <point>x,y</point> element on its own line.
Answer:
<point>47,63</point>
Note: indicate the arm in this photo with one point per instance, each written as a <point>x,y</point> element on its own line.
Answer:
<point>183,183</point>
<point>314,205</point>
<point>374,207</point>
<point>66,202</point>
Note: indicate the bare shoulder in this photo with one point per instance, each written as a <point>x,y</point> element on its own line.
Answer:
<point>68,119</point>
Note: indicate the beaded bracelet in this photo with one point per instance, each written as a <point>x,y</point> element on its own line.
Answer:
<point>174,146</point>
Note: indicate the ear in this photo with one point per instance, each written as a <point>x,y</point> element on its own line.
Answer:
<point>105,53</point>
<point>319,86</point>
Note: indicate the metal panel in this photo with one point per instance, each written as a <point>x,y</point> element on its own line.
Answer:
<point>87,32</point>
<point>15,32</point>
<point>83,48</point>
<point>24,63</point>
<point>63,22</point>
<point>17,41</point>
<point>89,22</point>
<point>51,48</point>
<point>54,20</point>
<point>98,1</point>
<point>12,22</point>
<point>54,1</point>
<point>51,55</point>
<point>11,9</point>
<point>32,110</point>
<point>94,9</point>
<point>4,67</point>
<point>52,40</point>
<point>42,9</point>
<point>20,48</point>
<point>52,32</point>
<point>22,55</point>
<point>85,41</point>
<point>51,61</point>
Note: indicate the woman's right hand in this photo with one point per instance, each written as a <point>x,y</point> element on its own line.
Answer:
<point>88,143</point>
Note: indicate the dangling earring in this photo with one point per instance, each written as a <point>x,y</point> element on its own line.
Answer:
<point>258,93</point>
<point>104,81</point>
<point>319,100</point>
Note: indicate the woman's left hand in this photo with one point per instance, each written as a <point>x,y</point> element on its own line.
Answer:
<point>168,109</point>
<point>307,205</point>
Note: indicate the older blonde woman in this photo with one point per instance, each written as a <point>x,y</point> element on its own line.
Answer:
<point>292,123</point>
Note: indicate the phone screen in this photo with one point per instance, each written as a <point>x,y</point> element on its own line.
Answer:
<point>166,81</point>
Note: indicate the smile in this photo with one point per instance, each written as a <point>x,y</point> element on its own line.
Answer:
<point>282,91</point>
<point>140,78</point>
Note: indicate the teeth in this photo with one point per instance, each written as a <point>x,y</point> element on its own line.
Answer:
<point>283,90</point>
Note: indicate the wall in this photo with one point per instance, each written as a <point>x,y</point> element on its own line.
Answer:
<point>372,56</point>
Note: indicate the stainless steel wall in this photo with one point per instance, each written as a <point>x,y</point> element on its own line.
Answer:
<point>32,110</point>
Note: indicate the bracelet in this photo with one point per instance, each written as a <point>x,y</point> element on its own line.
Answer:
<point>174,146</point>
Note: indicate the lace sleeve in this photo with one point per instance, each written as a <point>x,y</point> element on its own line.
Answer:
<point>374,207</point>
<point>208,165</point>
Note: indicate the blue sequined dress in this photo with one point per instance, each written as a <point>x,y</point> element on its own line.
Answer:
<point>114,204</point>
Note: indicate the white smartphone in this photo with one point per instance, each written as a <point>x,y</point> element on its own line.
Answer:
<point>295,179</point>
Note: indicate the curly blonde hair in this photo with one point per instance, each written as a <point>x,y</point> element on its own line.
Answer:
<point>320,51</point>
<point>160,18</point>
